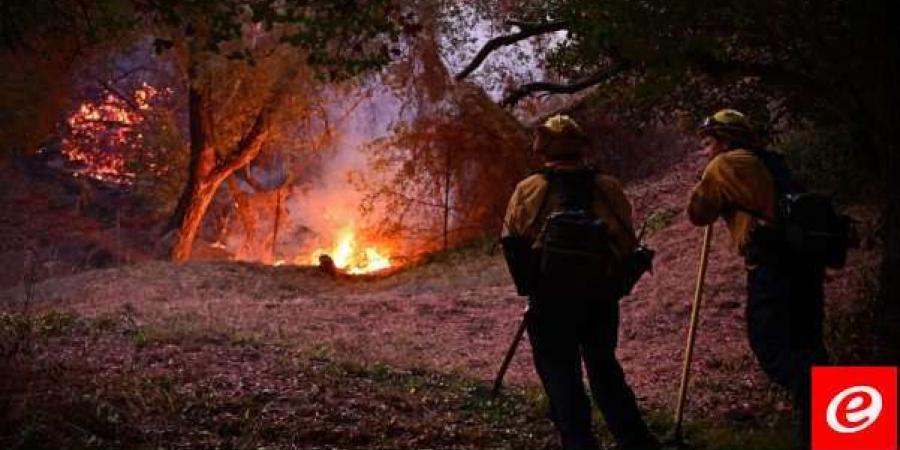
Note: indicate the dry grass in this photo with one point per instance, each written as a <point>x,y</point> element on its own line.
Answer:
<point>180,386</point>
<point>233,355</point>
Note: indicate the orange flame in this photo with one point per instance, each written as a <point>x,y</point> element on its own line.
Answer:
<point>103,134</point>
<point>351,259</point>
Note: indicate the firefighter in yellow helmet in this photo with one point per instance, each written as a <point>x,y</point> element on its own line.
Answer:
<point>573,313</point>
<point>784,309</point>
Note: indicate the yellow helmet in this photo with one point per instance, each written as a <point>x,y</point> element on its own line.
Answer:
<point>730,125</point>
<point>560,138</point>
<point>561,124</point>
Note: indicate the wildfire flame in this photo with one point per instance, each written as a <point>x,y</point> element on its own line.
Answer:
<point>348,257</point>
<point>104,134</point>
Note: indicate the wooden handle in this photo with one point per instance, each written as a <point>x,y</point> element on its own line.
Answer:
<point>498,381</point>
<point>692,331</point>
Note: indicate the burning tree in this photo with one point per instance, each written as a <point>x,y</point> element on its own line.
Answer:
<point>280,203</point>
<point>41,43</point>
<point>447,175</point>
<point>278,44</point>
<point>449,164</point>
<point>244,65</point>
<point>103,137</point>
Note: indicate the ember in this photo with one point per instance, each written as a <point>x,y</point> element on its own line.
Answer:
<point>104,134</point>
<point>351,258</point>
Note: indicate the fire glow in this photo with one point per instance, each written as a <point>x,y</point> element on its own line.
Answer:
<point>103,134</point>
<point>351,258</point>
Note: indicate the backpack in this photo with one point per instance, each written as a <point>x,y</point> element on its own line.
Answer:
<point>575,249</point>
<point>805,223</point>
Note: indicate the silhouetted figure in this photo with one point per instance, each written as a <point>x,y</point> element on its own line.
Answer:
<point>574,225</point>
<point>785,297</point>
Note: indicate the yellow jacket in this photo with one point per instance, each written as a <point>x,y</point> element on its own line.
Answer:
<point>736,177</point>
<point>609,202</point>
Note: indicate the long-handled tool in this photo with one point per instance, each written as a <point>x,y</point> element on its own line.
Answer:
<point>498,381</point>
<point>676,437</point>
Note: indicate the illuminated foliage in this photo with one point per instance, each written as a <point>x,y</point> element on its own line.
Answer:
<point>103,137</point>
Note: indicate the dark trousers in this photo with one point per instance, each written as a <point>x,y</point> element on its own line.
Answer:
<point>563,333</point>
<point>784,322</point>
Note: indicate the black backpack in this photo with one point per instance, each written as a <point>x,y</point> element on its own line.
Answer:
<point>576,253</point>
<point>575,248</point>
<point>805,223</point>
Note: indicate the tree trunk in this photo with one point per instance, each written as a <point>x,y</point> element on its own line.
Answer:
<point>199,201</point>
<point>201,186</point>
<point>208,170</point>
<point>242,209</point>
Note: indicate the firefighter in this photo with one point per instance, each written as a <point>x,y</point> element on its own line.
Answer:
<point>572,322</point>
<point>784,308</point>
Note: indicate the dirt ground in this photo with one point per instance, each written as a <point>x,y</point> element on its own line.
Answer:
<point>454,315</point>
<point>458,313</point>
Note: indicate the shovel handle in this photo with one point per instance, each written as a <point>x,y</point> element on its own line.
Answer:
<point>692,331</point>
<point>498,381</point>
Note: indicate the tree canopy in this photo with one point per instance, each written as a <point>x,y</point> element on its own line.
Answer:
<point>832,63</point>
<point>821,57</point>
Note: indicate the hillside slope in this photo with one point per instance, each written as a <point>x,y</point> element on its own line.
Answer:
<point>454,315</point>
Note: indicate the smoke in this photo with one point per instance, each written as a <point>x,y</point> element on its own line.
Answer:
<point>330,201</point>
<point>326,200</point>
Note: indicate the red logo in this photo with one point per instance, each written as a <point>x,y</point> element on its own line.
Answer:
<point>854,408</point>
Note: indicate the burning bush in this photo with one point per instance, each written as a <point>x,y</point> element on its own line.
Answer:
<point>105,136</point>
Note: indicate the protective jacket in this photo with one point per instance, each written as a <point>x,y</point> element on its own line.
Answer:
<point>609,203</point>
<point>732,179</point>
<point>571,326</point>
<point>785,297</point>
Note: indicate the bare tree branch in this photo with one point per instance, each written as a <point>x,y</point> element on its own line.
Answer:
<point>557,88</point>
<point>125,73</point>
<point>249,146</point>
<point>251,143</point>
<point>518,23</point>
<point>526,31</point>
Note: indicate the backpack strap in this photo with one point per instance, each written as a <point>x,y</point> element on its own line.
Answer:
<point>603,197</point>
<point>781,177</point>
<point>550,175</point>
<point>781,174</point>
<point>755,212</point>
